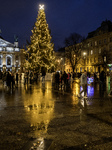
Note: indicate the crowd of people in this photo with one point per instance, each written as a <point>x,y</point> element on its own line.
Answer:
<point>100,78</point>
<point>10,79</point>
<point>60,80</point>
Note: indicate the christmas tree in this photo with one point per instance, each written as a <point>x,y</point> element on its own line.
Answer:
<point>40,52</point>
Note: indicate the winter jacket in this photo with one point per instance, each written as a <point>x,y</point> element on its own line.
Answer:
<point>83,79</point>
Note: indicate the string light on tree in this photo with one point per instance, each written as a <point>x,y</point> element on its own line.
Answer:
<point>41,48</point>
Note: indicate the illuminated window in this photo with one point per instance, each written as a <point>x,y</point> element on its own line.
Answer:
<point>16,49</point>
<point>9,49</point>
<point>91,52</point>
<point>88,44</point>
<point>95,43</point>
<point>104,58</point>
<point>99,50</point>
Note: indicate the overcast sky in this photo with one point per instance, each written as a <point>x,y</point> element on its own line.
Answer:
<point>63,17</point>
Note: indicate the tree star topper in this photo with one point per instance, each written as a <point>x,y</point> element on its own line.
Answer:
<point>41,6</point>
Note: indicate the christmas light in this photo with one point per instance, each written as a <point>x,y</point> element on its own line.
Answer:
<point>41,7</point>
<point>41,48</point>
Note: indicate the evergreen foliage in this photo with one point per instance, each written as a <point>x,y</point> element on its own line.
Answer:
<point>40,52</point>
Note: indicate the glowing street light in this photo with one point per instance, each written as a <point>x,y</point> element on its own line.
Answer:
<point>84,54</point>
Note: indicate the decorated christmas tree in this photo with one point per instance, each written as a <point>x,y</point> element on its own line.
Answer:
<point>40,51</point>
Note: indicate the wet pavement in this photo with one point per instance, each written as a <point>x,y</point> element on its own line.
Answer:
<point>41,118</point>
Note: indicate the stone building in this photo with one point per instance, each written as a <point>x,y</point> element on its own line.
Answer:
<point>96,50</point>
<point>10,56</point>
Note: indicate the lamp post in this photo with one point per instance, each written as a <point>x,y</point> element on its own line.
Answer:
<point>84,54</point>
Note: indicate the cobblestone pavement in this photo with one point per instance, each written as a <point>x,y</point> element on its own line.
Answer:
<point>39,117</point>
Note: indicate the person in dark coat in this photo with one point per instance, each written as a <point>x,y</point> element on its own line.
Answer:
<point>65,79</point>
<point>17,79</point>
<point>102,78</point>
<point>8,79</point>
<point>12,80</point>
<point>57,80</point>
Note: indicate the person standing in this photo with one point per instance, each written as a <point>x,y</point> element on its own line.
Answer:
<point>65,79</point>
<point>102,78</point>
<point>83,84</point>
<point>17,79</point>
<point>8,80</point>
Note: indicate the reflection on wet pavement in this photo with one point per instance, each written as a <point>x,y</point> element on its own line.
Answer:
<point>38,111</point>
<point>39,104</point>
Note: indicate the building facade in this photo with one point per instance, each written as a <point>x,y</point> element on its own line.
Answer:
<point>10,56</point>
<point>96,50</point>
<point>60,61</point>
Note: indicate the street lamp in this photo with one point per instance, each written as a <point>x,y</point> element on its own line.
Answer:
<point>84,54</point>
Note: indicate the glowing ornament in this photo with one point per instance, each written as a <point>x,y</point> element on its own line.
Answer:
<point>41,7</point>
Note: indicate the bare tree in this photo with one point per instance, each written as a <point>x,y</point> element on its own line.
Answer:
<point>73,49</point>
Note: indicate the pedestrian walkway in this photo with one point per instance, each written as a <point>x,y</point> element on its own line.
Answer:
<point>39,117</point>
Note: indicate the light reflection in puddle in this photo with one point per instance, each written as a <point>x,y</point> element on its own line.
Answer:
<point>40,106</point>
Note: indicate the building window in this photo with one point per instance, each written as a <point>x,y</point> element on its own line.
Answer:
<point>91,52</point>
<point>110,48</point>
<point>104,58</point>
<point>95,60</point>
<point>100,51</point>
<point>110,39</point>
<point>88,44</point>
<point>91,69</point>
<point>87,69</point>
<point>105,40</point>
<point>8,61</point>
<point>99,60</point>
<point>99,42</point>
<point>95,43</point>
